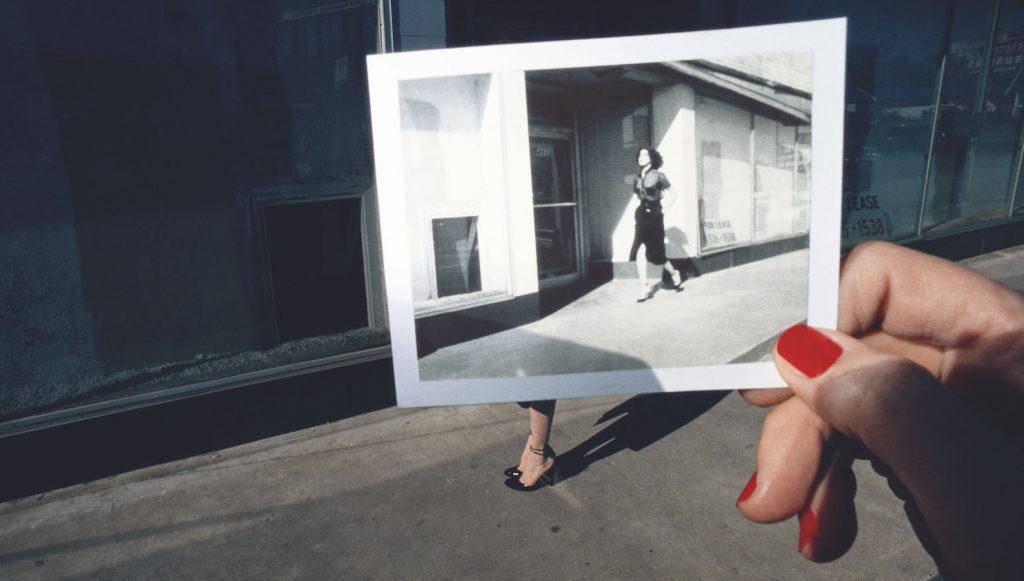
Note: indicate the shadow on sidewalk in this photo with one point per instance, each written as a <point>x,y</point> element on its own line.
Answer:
<point>645,419</point>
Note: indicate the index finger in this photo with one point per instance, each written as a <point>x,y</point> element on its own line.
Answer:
<point>918,303</point>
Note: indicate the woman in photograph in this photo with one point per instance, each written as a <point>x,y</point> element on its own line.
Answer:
<point>654,192</point>
<point>536,467</point>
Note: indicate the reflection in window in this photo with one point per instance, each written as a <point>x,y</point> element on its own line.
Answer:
<point>140,168</point>
<point>978,122</point>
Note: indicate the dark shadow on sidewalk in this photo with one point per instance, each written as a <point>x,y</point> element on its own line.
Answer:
<point>556,299</point>
<point>645,419</point>
<point>446,329</point>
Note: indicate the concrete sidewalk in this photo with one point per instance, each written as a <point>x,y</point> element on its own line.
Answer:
<point>418,494</point>
<point>715,319</point>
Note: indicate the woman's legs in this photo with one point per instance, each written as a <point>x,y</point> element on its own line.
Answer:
<point>677,277</point>
<point>641,266</point>
<point>641,273</point>
<point>534,461</point>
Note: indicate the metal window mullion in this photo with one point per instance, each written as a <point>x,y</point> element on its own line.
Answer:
<point>1015,178</point>
<point>752,154</point>
<point>385,27</point>
<point>936,103</point>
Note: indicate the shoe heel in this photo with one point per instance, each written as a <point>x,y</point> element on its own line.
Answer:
<point>552,477</point>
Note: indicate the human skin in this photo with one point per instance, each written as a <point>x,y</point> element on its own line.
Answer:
<point>531,464</point>
<point>926,377</point>
<point>669,198</point>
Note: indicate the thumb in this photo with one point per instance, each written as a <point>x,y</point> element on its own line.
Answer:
<point>962,477</point>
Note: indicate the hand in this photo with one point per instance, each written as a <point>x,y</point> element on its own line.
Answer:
<point>927,376</point>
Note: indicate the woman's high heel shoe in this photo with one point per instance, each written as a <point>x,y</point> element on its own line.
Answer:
<point>645,294</point>
<point>515,472</point>
<point>546,479</point>
<point>677,280</point>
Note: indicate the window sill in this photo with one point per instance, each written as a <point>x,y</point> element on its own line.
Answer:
<point>459,302</point>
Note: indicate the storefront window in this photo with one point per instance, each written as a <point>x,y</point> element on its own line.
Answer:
<point>185,194</point>
<point>1010,43</point>
<point>725,174</point>
<point>977,127</point>
<point>781,194</point>
<point>894,59</point>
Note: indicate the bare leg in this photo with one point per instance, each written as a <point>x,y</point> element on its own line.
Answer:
<point>641,273</point>
<point>534,461</point>
<point>677,277</point>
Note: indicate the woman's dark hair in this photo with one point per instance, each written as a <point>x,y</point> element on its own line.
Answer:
<point>656,160</point>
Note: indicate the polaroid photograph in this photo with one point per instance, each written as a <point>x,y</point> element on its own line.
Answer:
<point>607,216</point>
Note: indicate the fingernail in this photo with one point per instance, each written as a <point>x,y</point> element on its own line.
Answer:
<point>808,529</point>
<point>808,350</point>
<point>749,489</point>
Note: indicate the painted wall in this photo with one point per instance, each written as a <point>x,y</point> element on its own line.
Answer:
<point>465,152</point>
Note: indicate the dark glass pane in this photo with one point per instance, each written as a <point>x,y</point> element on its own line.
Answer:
<point>979,119</point>
<point>142,143</point>
<point>550,163</point>
<point>556,240</point>
<point>1008,83</point>
<point>456,256</point>
<point>893,57</point>
<point>316,258</point>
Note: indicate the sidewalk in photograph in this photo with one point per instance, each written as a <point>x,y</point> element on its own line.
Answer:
<point>715,319</point>
<point>418,494</point>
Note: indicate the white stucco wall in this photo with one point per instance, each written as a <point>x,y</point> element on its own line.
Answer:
<point>465,152</point>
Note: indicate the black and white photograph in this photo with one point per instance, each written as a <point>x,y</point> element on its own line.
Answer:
<point>605,228</point>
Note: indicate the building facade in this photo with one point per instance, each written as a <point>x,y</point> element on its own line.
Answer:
<point>189,197</point>
<point>521,182</point>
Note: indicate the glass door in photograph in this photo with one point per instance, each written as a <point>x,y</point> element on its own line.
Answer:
<point>555,207</point>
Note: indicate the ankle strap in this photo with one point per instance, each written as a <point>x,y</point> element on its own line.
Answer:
<point>546,451</point>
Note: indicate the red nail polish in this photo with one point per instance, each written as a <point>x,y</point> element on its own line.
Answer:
<point>808,350</point>
<point>808,529</point>
<point>749,489</point>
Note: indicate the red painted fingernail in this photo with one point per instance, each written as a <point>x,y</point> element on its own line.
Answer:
<point>749,489</point>
<point>808,350</point>
<point>808,529</point>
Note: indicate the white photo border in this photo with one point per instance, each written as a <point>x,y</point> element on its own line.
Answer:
<point>826,39</point>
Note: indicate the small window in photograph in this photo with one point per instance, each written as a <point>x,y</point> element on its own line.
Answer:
<point>456,256</point>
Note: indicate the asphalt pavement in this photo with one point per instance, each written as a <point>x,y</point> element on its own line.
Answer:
<point>418,494</point>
